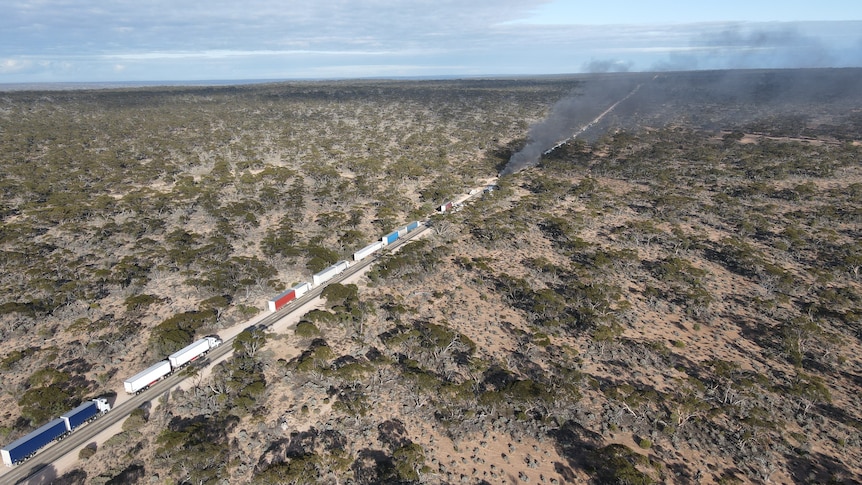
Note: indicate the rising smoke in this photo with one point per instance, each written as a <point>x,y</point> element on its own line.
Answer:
<point>607,65</point>
<point>569,116</point>
<point>731,48</point>
<point>739,48</point>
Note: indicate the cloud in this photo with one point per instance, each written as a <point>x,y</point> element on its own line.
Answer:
<point>159,25</point>
<point>166,39</point>
<point>14,65</point>
<point>420,33</point>
<point>224,54</point>
<point>376,70</point>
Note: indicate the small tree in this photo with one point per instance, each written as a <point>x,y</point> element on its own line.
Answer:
<point>604,335</point>
<point>409,461</point>
<point>136,419</point>
<point>249,341</point>
<point>689,401</point>
<point>797,334</point>
<point>39,404</point>
<point>306,330</point>
<point>809,390</point>
<point>87,452</point>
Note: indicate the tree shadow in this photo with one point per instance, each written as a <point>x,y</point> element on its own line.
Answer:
<point>645,393</point>
<point>372,466</point>
<point>659,356</point>
<point>39,474</point>
<point>300,444</point>
<point>840,415</point>
<point>133,473</point>
<point>74,477</point>
<point>682,474</point>
<point>575,443</point>
<point>854,378</point>
<point>393,433</point>
<point>762,335</point>
<point>528,367</point>
<point>819,468</point>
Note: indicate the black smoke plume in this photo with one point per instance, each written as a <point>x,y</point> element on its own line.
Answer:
<point>571,115</point>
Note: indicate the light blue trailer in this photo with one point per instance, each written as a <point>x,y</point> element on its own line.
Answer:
<point>390,238</point>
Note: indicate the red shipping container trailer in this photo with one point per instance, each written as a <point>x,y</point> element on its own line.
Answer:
<point>283,299</point>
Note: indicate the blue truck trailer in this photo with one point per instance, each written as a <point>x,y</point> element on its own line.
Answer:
<point>390,238</point>
<point>27,446</point>
<point>85,412</point>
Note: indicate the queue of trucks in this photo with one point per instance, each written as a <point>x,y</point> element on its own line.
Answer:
<point>336,269</point>
<point>27,446</point>
<point>179,359</point>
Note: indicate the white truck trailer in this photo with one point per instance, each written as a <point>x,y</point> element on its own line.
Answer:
<point>367,251</point>
<point>302,289</point>
<point>147,377</point>
<point>330,272</point>
<point>192,351</point>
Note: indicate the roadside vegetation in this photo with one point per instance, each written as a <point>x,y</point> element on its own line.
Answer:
<point>677,300</point>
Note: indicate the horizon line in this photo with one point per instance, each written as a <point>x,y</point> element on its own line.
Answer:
<point>85,85</point>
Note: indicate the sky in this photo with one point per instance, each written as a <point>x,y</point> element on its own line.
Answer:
<point>49,41</point>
